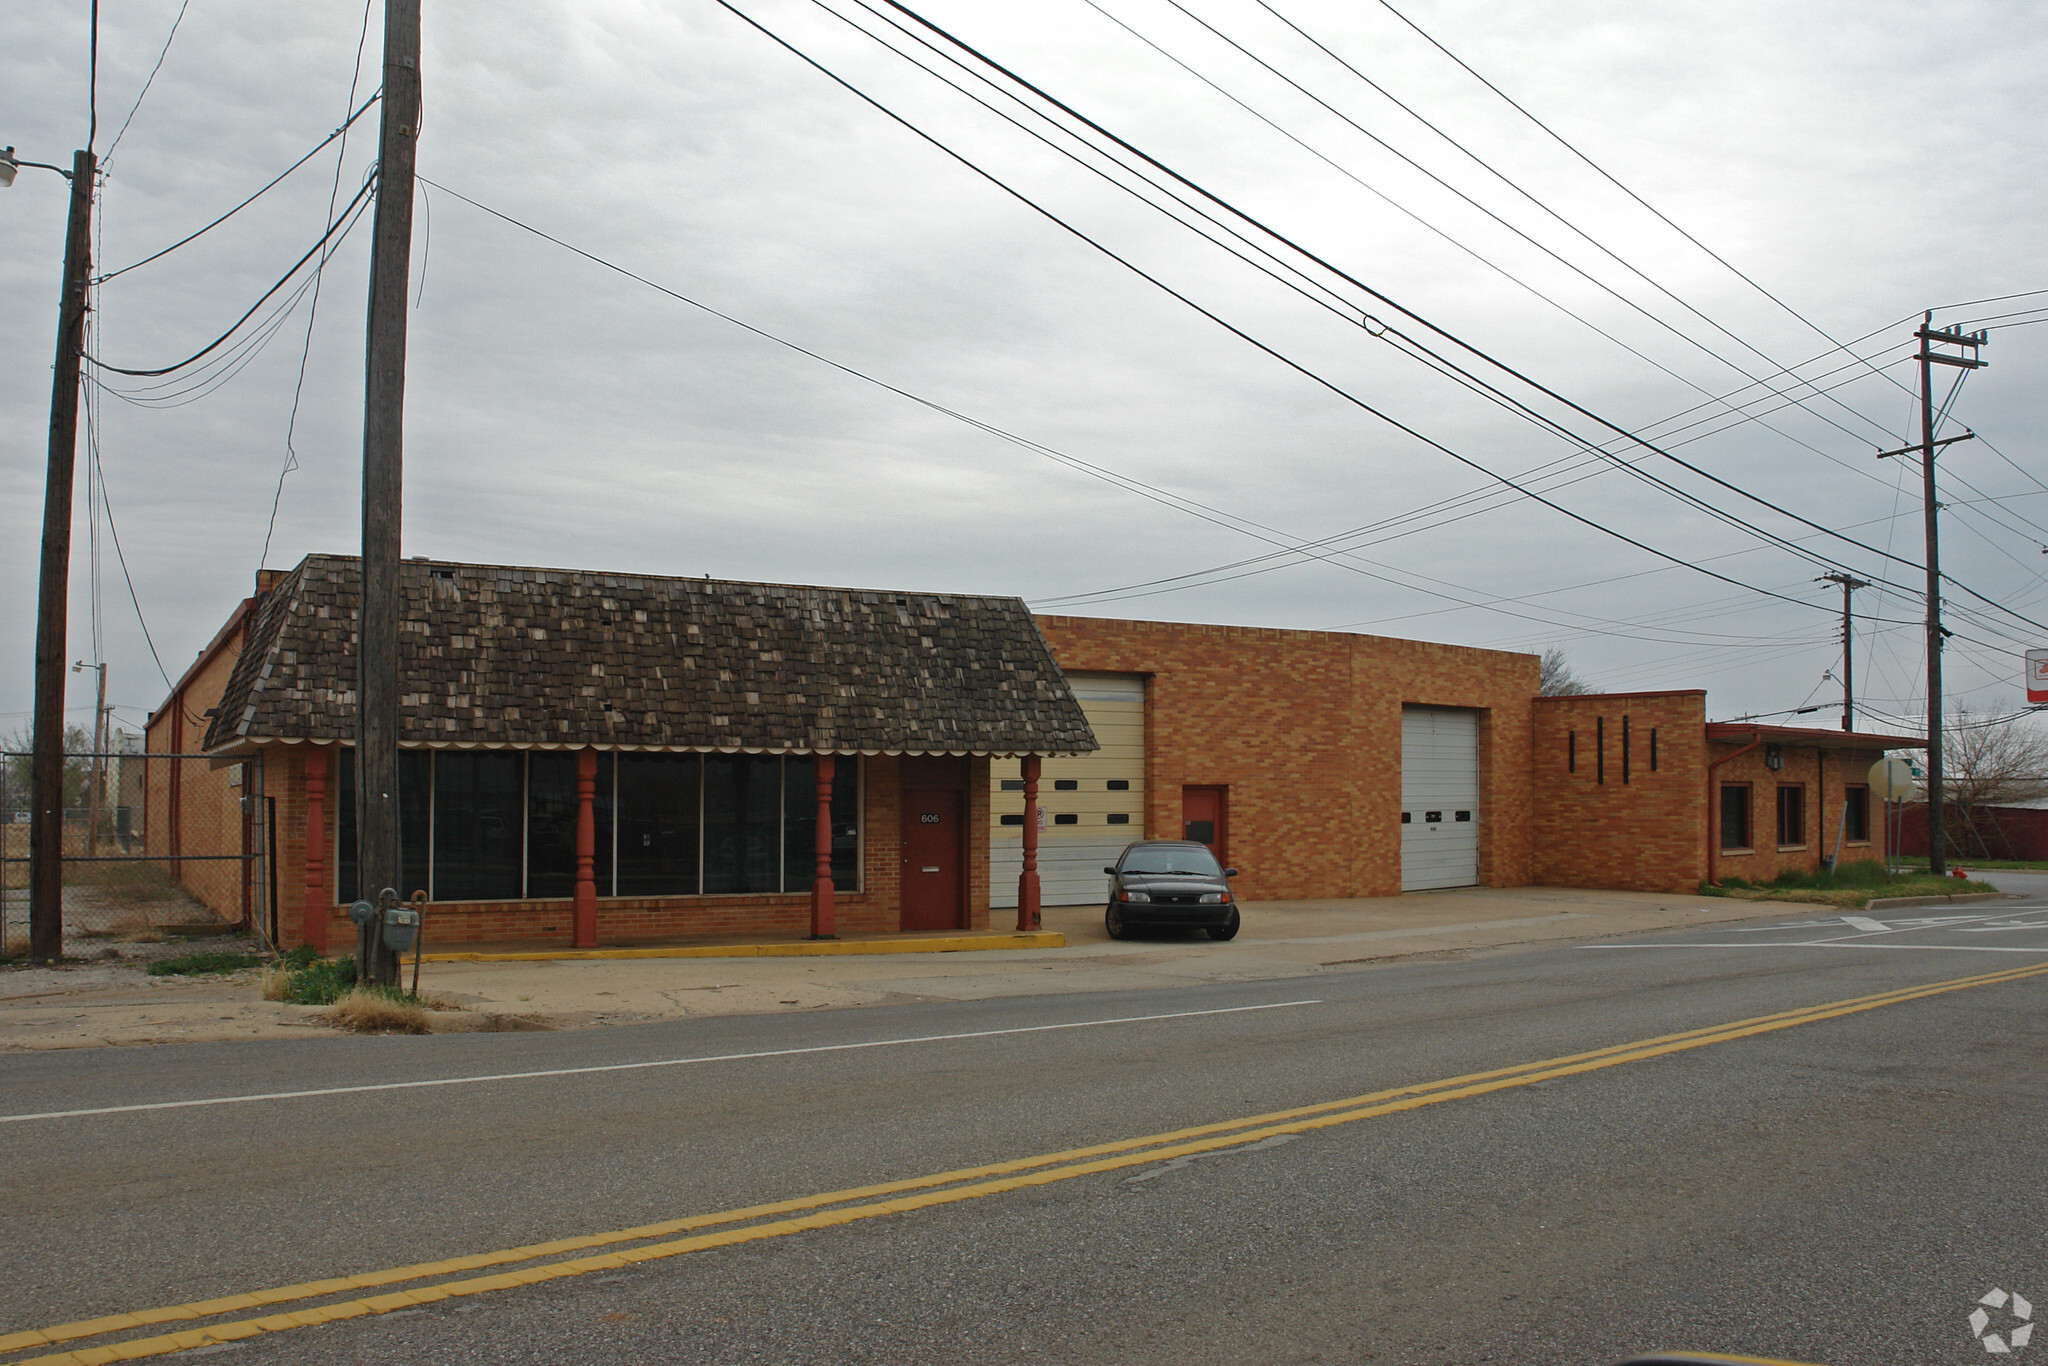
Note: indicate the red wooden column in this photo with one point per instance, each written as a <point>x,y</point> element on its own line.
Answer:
<point>315,905</point>
<point>1027,881</point>
<point>583,917</point>
<point>824,913</point>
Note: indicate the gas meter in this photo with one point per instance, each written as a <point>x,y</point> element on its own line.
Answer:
<point>401,927</point>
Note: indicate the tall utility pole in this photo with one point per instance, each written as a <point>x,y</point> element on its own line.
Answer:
<point>46,768</point>
<point>384,483</point>
<point>1930,337</point>
<point>1850,583</point>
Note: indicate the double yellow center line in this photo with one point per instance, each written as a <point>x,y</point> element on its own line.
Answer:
<point>404,1287</point>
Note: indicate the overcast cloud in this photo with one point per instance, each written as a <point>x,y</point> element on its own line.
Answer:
<point>1863,161</point>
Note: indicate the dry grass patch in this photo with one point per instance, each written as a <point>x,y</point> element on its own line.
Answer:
<point>368,1010</point>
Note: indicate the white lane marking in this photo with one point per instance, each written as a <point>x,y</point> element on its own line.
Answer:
<point>1896,926</point>
<point>1907,926</point>
<point>1831,944</point>
<point>640,1066</point>
<point>1866,924</point>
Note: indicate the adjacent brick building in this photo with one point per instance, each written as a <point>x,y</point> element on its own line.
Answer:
<point>1640,791</point>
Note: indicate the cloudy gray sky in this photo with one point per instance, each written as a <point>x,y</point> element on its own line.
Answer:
<point>1860,161</point>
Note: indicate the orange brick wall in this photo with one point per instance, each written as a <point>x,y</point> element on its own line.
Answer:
<point>1824,773</point>
<point>1304,729</point>
<point>189,806</point>
<point>1640,831</point>
<point>876,909</point>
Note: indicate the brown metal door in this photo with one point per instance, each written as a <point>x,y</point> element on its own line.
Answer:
<point>932,898</point>
<point>1202,817</point>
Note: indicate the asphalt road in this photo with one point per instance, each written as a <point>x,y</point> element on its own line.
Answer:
<point>1837,1186</point>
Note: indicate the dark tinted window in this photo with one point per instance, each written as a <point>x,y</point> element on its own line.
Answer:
<point>1792,815</point>
<point>1735,816</point>
<point>1171,858</point>
<point>415,789</point>
<point>551,823</point>
<point>656,817</point>
<point>479,834</point>
<point>800,824</point>
<point>1856,820</point>
<point>742,823</point>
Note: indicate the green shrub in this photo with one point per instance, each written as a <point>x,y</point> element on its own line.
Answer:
<point>318,981</point>
<point>193,963</point>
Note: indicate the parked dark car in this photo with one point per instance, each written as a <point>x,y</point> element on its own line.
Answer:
<point>1170,884</point>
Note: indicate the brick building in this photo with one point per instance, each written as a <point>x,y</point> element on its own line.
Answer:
<point>1639,791</point>
<point>1320,764</point>
<point>613,757</point>
<point>1323,764</point>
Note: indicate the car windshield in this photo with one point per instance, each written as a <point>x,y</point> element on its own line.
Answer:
<point>1190,859</point>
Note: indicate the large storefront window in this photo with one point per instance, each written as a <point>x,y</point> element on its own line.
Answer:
<point>799,824</point>
<point>659,831</point>
<point>551,823</point>
<point>500,825</point>
<point>415,794</point>
<point>743,823</point>
<point>479,825</point>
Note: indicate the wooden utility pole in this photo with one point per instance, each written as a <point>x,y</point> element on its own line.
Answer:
<point>46,768</point>
<point>1930,337</point>
<point>384,483</point>
<point>1850,583</point>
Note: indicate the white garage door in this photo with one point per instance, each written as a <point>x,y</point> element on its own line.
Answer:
<point>1094,803</point>
<point>1439,798</point>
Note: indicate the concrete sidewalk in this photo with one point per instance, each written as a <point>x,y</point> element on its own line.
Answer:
<point>93,1004</point>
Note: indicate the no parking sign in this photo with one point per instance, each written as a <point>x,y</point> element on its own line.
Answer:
<point>2037,675</point>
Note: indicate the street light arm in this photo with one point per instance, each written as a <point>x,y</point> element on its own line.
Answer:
<point>8,158</point>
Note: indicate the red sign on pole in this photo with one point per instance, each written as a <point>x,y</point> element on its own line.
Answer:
<point>2037,675</point>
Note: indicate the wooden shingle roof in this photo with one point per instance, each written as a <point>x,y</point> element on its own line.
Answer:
<point>500,656</point>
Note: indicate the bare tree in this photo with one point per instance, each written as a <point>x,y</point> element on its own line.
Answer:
<point>1556,678</point>
<point>15,752</point>
<point>1987,763</point>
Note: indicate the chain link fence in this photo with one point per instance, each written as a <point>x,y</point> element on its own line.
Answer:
<point>155,846</point>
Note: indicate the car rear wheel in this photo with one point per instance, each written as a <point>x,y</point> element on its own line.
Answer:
<point>1228,929</point>
<point>1113,921</point>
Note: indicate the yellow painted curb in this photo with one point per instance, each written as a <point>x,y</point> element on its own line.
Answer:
<point>805,948</point>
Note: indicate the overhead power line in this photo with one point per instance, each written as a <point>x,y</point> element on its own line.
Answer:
<point>1604,174</point>
<point>1504,179</point>
<point>339,223</point>
<point>1483,260</point>
<point>273,183</point>
<point>1307,373</point>
<point>1343,308</point>
<point>168,39</point>
<point>1334,270</point>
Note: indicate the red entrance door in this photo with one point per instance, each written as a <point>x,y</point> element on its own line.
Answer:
<point>932,898</point>
<point>1202,813</point>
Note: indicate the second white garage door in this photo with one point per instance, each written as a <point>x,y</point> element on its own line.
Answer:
<point>1439,798</point>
